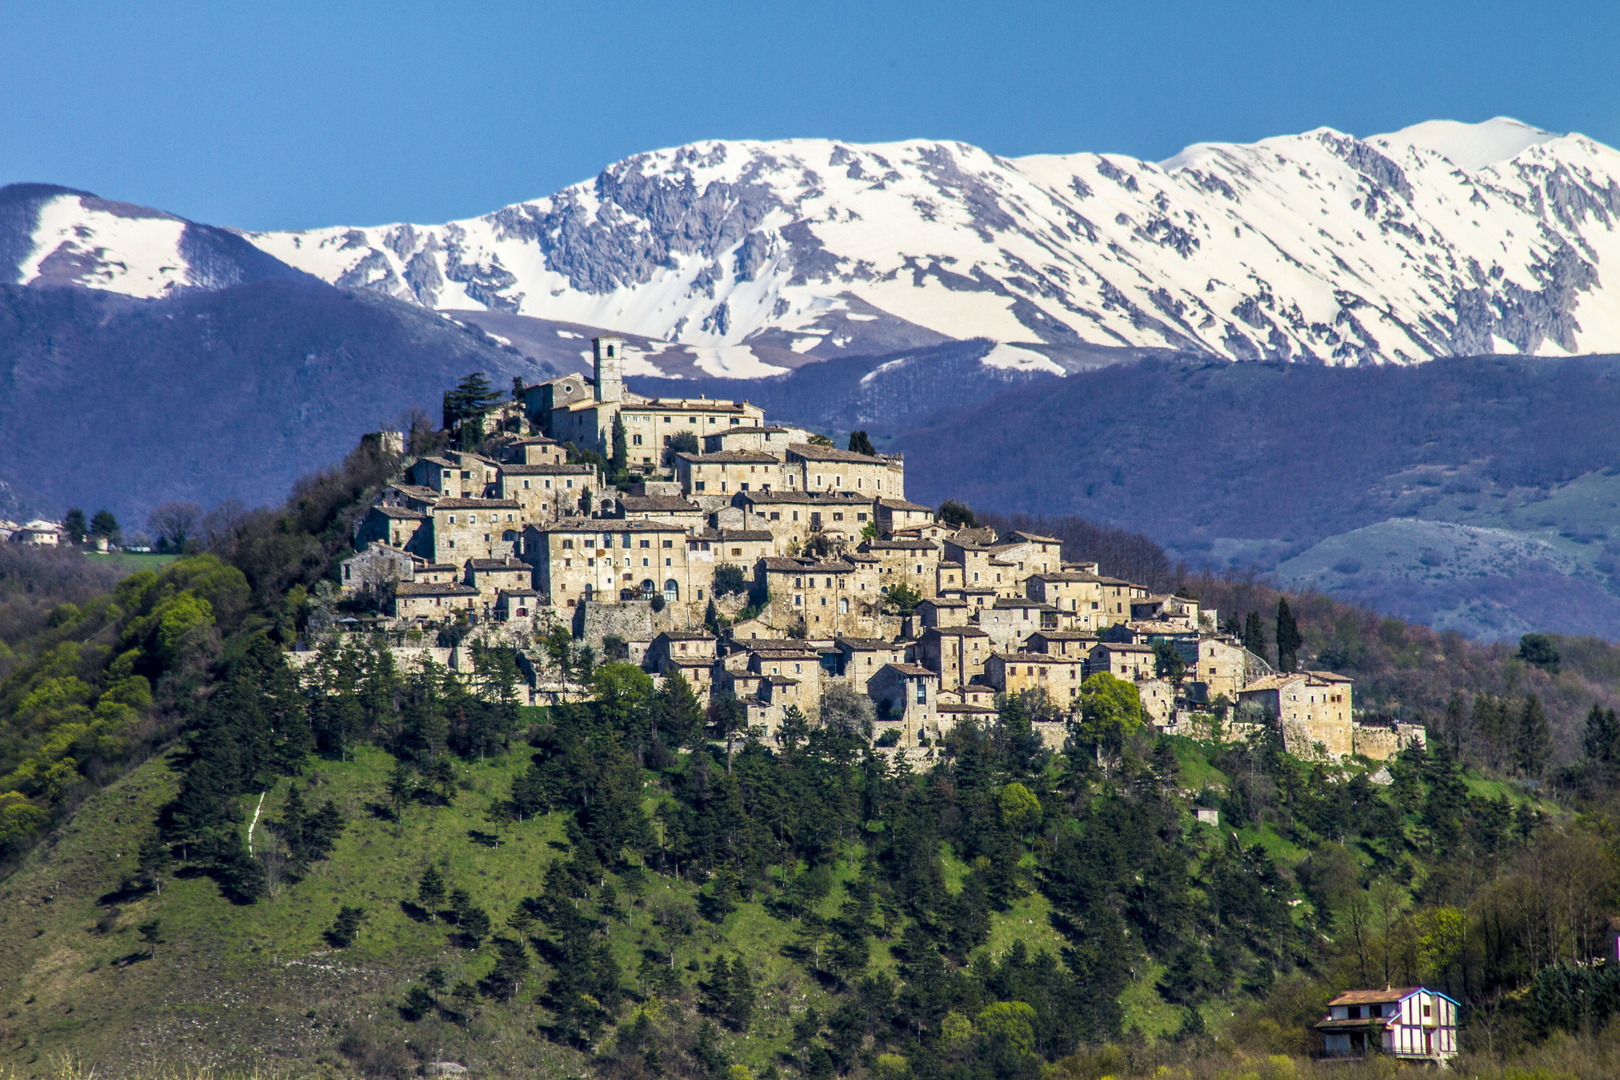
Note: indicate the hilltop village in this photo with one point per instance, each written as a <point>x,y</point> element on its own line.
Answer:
<point>761,562</point>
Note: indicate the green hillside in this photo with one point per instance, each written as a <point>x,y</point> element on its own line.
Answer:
<point>223,855</point>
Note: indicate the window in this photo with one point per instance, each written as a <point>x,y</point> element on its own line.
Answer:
<point>636,440</point>
<point>922,692</point>
<point>798,600</point>
<point>525,485</point>
<point>568,543</point>
<point>697,485</point>
<point>736,551</point>
<point>843,605</point>
<point>776,515</point>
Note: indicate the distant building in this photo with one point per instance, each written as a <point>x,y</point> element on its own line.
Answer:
<point>1410,1022</point>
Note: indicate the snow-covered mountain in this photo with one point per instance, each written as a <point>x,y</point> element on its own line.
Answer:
<point>52,235</point>
<point>751,258</point>
<point>1440,239</point>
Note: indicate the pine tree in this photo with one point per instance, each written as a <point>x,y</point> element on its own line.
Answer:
<point>154,860</point>
<point>1602,740</point>
<point>74,526</point>
<point>430,891</point>
<point>401,786</point>
<point>104,524</point>
<point>1288,637</point>
<point>740,1012</point>
<point>859,443</point>
<point>1532,745</point>
<point>717,991</point>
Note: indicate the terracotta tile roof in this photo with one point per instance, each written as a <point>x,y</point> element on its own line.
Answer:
<point>477,504</point>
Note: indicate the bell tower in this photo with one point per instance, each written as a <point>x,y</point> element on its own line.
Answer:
<point>609,367</point>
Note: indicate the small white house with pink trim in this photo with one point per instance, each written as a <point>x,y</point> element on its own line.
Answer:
<point>1410,1022</point>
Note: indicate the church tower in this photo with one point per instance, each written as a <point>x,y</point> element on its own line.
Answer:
<point>609,367</point>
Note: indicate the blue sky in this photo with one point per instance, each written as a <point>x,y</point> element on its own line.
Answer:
<point>290,114</point>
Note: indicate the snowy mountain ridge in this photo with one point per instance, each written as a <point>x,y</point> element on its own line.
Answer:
<point>757,257</point>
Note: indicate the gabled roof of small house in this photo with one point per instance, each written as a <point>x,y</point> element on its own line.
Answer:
<point>1375,997</point>
<point>399,513</point>
<point>913,670</point>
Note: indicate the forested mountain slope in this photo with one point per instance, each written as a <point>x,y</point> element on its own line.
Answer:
<point>379,868</point>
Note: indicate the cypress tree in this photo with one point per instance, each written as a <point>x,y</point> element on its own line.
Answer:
<point>1288,637</point>
<point>1254,634</point>
<point>620,460</point>
<point>1533,744</point>
<point>860,443</point>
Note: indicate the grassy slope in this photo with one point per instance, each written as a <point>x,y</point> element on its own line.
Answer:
<point>235,985</point>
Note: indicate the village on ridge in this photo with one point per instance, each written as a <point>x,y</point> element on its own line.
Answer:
<point>760,561</point>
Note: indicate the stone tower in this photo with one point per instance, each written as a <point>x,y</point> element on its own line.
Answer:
<point>609,367</point>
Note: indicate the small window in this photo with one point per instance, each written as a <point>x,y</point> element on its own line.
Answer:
<point>669,543</point>
<point>568,543</point>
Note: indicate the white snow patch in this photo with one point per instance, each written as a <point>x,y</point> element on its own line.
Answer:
<point>1469,146</point>
<point>733,362</point>
<point>1012,358</point>
<point>852,317</point>
<point>569,334</point>
<point>804,344</point>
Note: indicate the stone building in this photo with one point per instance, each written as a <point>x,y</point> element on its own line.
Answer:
<point>549,490</point>
<point>758,439</point>
<point>576,559</point>
<point>1058,675</point>
<point>956,653</point>
<point>475,529</point>
<point>905,698</point>
<point>1312,707</point>
<point>829,470</point>
<point>795,518</point>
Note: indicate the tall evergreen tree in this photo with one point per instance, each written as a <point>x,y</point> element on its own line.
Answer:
<point>860,443</point>
<point>1602,739</point>
<point>1532,745</point>
<point>1288,637</point>
<point>619,462</point>
<point>430,890</point>
<point>104,524</point>
<point>1254,634</point>
<point>74,526</point>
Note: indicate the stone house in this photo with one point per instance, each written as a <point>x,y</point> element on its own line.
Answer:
<point>516,604</point>
<point>904,562</point>
<point>376,566</point>
<point>906,700</point>
<point>475,529</point>
<point>490,576</point>
<point>670,508</point>
<point>938,611</point>
<point>534,450</point>
<point>576,559</point>
<point>830,597</point>
<point>894,515</point>
<point>546,491</point>
<point>1058,675</point>
<point>956,653</point>
<point>397,527</point>
<point>794,518</point>
<point>860,658</point>
<point>1133,663</point>
<point>680,646</point>
<point>759,439</point>
<point>1177,611</point>
<point>423,601</point>
<point>717,477</point>
<point>1061,642</point>
<point>1312,707</point>
<point>738,547</point>
<point>1382,741</point>
<point>825,469</point>
<point>1095,601</point>
<point>1010,621</point>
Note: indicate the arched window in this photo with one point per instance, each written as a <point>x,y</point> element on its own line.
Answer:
<point>672,591</point>
<point>648,587</point>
